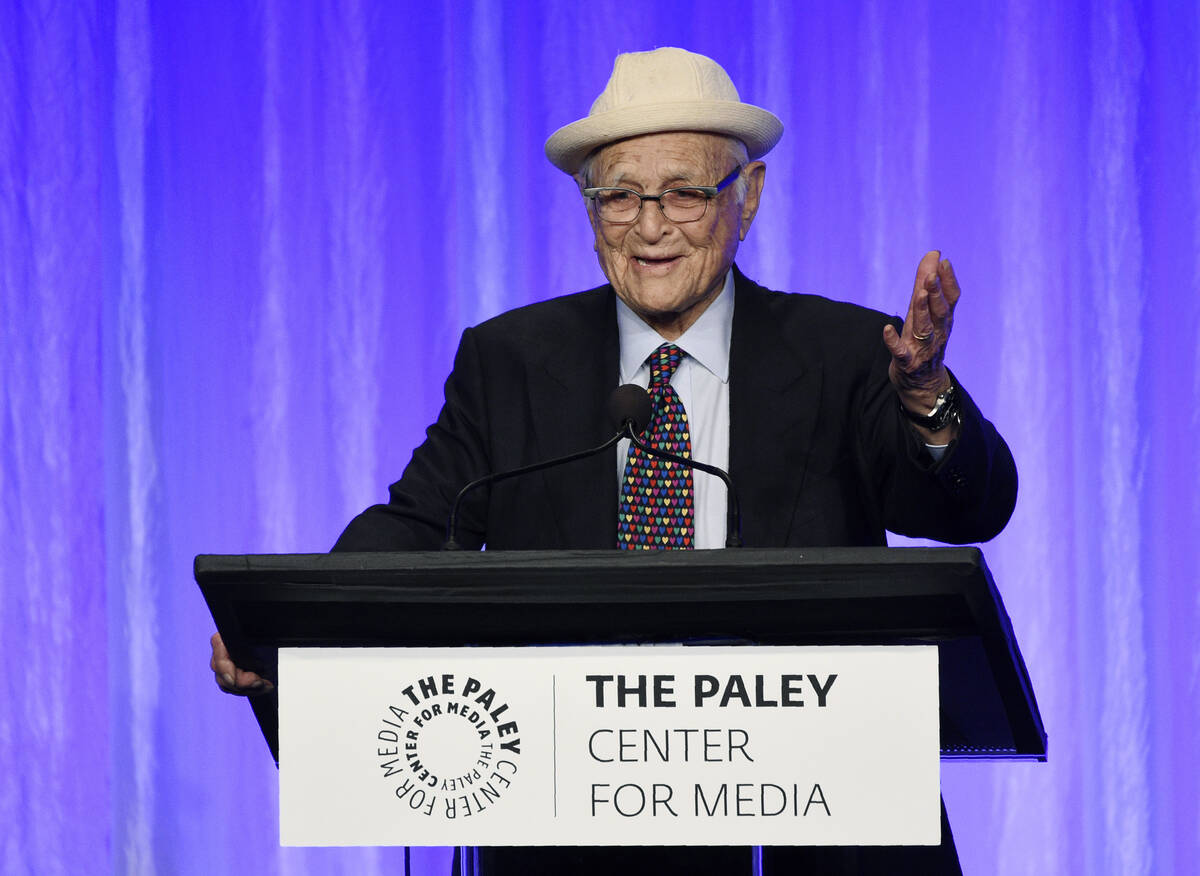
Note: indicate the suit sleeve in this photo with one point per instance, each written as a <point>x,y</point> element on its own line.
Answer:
<point>453,454</point>
<point>967,496</point>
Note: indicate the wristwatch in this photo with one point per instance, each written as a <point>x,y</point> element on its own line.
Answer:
<point>946,410</point>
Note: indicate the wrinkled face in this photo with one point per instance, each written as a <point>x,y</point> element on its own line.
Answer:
<point>669,273</point>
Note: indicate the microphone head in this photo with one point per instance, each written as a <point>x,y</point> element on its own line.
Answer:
<point>630,404</point>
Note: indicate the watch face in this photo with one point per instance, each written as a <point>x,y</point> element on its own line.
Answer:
<point>947,408</point>
<point>944,411</point>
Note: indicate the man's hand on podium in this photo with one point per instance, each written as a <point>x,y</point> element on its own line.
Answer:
<point>231,679</point>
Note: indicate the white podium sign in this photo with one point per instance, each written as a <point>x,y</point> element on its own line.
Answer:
<point>614,745</point>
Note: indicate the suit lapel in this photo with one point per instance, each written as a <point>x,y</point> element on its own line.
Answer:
<point>568,391</point>
<point>773,399</point>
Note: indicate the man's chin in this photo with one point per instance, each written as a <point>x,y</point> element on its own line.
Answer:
<point>663,310</point>
<point>660,298</point>
<point>658,308</point>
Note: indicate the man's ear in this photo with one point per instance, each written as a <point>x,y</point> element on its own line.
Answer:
<point>593,219</point>
<point>756,175</point>
<point>594,222</point>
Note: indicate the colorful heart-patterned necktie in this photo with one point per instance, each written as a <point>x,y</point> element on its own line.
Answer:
<point>656,495</point>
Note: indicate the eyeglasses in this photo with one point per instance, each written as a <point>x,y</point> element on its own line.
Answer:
<point>685,204</point>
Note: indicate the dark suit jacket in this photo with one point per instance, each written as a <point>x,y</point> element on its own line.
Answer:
<point>819,451</point>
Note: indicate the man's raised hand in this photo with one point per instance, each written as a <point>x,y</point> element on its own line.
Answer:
<point>917,369</point>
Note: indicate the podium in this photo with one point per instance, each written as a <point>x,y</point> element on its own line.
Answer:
<point>820,596</point>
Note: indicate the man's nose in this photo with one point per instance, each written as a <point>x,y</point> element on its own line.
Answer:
<point>651,223</point>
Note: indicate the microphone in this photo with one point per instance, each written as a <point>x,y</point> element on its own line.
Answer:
<point>630,410</point>
<point>630,404</point>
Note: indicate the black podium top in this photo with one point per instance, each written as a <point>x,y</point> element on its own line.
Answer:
<point>819,596</point>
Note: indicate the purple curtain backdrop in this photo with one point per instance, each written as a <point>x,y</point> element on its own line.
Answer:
<point>240,240</point>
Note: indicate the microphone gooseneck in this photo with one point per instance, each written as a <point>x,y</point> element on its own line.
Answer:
<point>630,409</point>
<point>623,406</point>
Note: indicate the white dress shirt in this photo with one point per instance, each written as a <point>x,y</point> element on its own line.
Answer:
<point>702,383</point>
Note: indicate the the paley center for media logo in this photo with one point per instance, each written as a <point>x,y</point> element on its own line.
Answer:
<point>448,746</point>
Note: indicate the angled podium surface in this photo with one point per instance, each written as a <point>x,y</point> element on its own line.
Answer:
<point>818,596</point>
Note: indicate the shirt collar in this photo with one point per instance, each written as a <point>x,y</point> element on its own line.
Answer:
<point>707,341</point>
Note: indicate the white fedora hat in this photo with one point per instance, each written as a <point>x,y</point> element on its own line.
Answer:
<point>664,90</point>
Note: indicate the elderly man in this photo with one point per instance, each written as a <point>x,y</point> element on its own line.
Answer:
<point>836,422</point>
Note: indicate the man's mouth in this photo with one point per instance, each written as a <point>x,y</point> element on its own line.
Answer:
<point>646,261</point>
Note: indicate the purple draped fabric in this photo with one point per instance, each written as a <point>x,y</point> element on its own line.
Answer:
<point>240,240</point>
